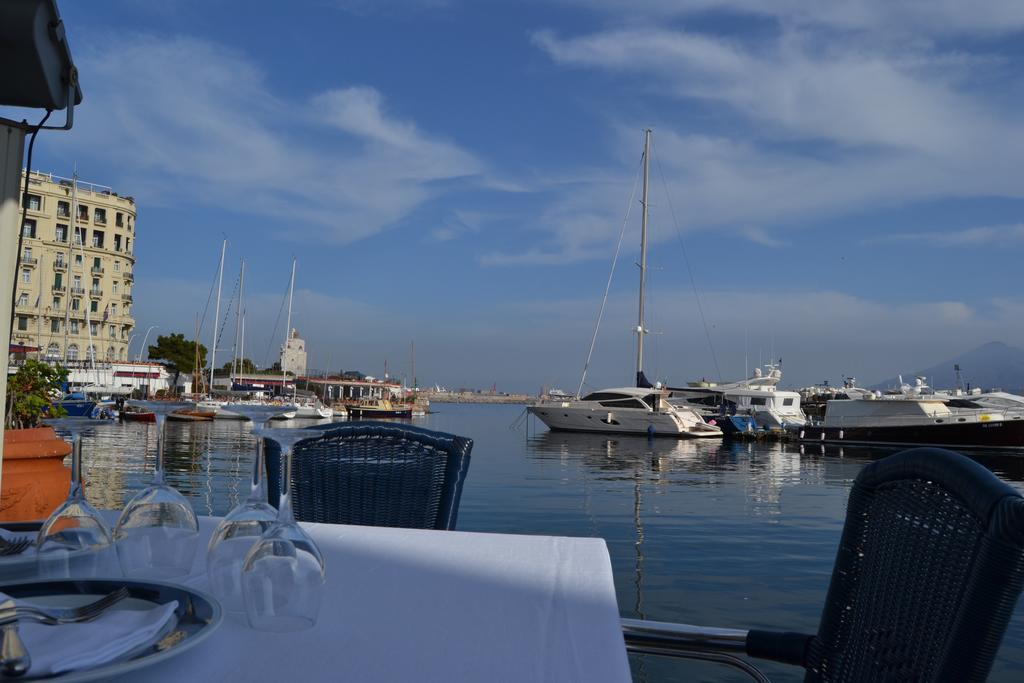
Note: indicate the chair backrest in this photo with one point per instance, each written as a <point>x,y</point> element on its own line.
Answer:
<point>375,474</point>
<point>929,568</point>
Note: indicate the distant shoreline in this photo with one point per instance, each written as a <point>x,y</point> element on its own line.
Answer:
<point>472,397</point>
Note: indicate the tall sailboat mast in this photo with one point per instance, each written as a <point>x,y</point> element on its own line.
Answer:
<point>288,326</point>
<point>216,315</point>
<point>67,269</point>
<point>641,380</point>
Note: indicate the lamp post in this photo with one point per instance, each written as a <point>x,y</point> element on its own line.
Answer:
<point>128,348</point>
<point>138,358</point>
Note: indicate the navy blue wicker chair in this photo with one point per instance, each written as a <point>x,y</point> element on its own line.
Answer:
<point>929,568</point>
<point>375,474</point>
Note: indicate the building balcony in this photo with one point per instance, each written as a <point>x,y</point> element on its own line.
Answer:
<point>59,288</point>
<point>77,290</point>
<point>127,297</point>
<point>28,261</point>
<point>97,270</point>
<point>99,220</point>
<point>128,277</point>
<point>96,293</point>
<point>24,306</point>
<point>60,265</point>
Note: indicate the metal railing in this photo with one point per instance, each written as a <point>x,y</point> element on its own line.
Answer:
<point>96,292</point>
<point>59,265</point>
<point>28,260</point>
<point>689,642</point>
<point>98,270</point>
<point>78,290</point>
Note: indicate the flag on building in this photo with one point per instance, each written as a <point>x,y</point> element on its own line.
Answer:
<point>106,312</point>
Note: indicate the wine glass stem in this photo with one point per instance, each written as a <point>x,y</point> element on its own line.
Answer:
<point>284,508</point>
<point>258,494</point>
<point>158,475</point>
<point>76,466</point>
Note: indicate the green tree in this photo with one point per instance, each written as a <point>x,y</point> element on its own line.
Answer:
<point>177,353</point>
<point>32,391</point>
<point>247,367</point>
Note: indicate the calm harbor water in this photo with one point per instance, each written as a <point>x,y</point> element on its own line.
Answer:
<point>703,532</point>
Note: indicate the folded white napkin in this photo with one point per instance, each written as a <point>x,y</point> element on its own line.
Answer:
<point>71,647</point>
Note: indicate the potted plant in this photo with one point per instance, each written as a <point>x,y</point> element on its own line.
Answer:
<point>35,480</point>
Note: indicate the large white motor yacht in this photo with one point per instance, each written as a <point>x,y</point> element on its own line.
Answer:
<point>757,396</point>
<point>626,410</point>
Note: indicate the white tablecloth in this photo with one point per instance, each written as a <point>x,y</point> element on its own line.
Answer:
<point>407,605</point>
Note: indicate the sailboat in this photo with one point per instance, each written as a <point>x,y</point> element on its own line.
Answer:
<point>643,409</point>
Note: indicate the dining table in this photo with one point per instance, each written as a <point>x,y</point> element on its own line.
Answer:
<point>425,605</point>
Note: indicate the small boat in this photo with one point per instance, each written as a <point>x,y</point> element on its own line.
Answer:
<point>132,413</point>
<point>77,404</point>
<point>193,414</point>
<point>375,409</point>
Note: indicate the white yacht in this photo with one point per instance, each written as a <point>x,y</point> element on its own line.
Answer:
<point>643,409</point>
<point>757,396</point>
<point>626,410</point>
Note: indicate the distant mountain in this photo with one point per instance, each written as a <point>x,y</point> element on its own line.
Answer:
<point>990,365</point>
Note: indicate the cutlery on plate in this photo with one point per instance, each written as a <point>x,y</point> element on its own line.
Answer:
<point>14,657</point>
<point>15,546</point>
<point>11,611</point>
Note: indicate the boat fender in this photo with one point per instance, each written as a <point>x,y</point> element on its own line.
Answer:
<point>822,434</point>
<point>840,434</point>
<point>650,430</point>
<point>801,433</point>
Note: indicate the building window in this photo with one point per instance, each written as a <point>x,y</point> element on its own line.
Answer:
<point>33,202</point>
<point>95,285</point>
<point>63,209</point>
<point>112,332</point>
<point>23,299</point>
<point>78,260</point>
<point>58,280</point>
<point>26,275</point>
<point>94,329</point>
<point>76,282</point>
<point>117,243</point>
<point>28,228</point>
<point>55,325</point>
<point>56,302</point>
<point>76,304</point>
<point>127,245</point>
<point>113,287</point>
<point>80,234</point>
<point>97,264</point>
<point>52,351</point>
<point>100,216</point>
<point>74,327</point>
<point>117,266</point>
<point>58,260</point>
<point>83,212</point>
<point>61,233</point>
<point>91,353</point>
<point>73,352</point>
<point>94,307</point>
<point>110,353</point>
<point>119,220</point>
<point>97,239</point>
<point>22,323</point>
<point>113,309</point>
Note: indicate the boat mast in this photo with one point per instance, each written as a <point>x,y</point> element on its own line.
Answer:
<point>641,381</point>
<point>288,325</point>
<point>216,315</point>
<point>67,269</point>
<point>236,361</point>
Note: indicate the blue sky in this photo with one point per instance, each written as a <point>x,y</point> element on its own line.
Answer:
<point>845,177</point>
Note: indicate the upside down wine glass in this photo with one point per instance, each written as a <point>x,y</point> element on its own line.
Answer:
<point>283,574</point>
<point>74,541</point>
<point>245,524</point>
<point>157,533</point>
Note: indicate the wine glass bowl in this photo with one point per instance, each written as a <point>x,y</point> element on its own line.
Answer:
<point>74,541</point>
<point>157,533</point>
<point>243,525</point>
<point>283,574</point>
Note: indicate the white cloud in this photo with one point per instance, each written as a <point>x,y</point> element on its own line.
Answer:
<point>979,236</point>
<point>186,120</point>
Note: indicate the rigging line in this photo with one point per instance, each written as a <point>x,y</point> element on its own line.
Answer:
<point>227,313</point>
<point>611,274</point>
<point>689,269</point>
<point>209,298</point>
<point>277,321</point>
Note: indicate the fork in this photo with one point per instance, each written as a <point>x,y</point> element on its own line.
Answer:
<point>15,547</point>
<point>72,615</point>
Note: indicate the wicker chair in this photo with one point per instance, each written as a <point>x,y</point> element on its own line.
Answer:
<point>375,474</point>
<point>929,568</point>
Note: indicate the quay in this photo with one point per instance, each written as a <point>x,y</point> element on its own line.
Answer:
<point>475,397</point>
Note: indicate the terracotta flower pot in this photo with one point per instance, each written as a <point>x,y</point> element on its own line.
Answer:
<point>35,480</point>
